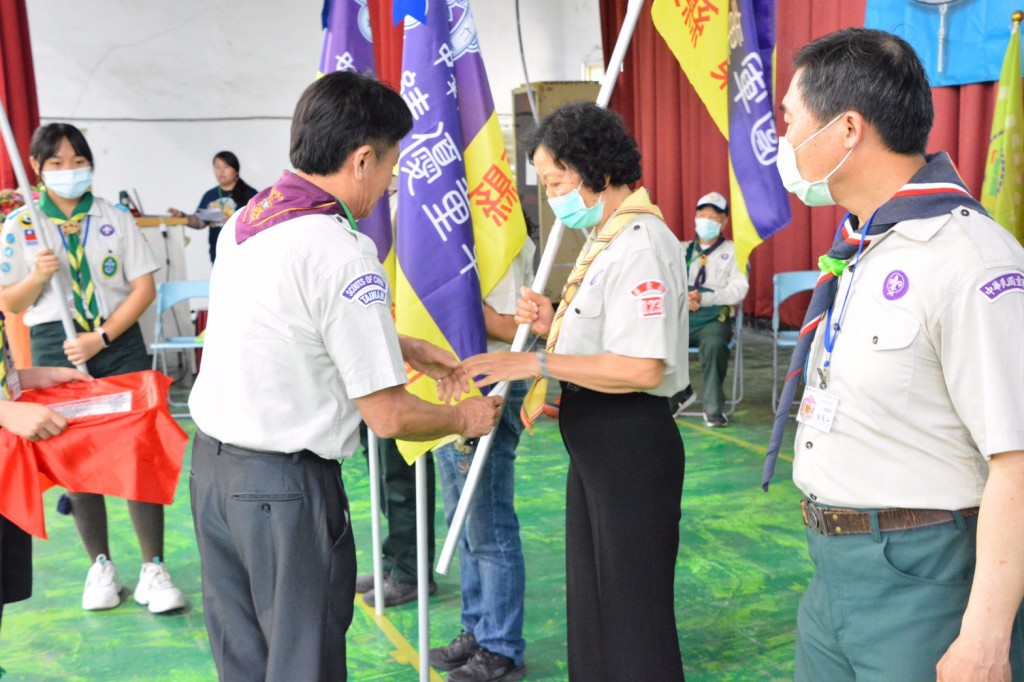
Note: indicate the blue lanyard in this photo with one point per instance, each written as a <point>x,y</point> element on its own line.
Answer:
<point>832,329</point>
<point>85,234</point>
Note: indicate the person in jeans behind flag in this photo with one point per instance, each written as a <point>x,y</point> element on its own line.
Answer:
<point>107,267</point>
<point>909,451</point>
<point>492,572</point>
<point>716,287</point>
<point>616,344</point>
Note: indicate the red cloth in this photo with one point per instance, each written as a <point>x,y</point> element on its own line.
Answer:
<point>134,455</point>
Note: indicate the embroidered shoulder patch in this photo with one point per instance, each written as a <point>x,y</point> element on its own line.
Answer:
<point>651,296</point>
<point>368,288</point>
<point>996,287</point>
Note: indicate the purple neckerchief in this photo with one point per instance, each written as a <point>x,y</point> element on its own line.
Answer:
<point>290,197</point>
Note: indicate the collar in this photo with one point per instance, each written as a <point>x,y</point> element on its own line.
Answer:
<point>936,189</point>
<point>50,210</point>
<point>290,197</point>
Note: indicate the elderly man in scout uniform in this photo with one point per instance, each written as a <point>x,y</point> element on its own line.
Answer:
<point>909,450</point>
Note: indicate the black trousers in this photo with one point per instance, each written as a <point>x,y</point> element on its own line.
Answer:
<point>15,564</point>
<point>278,562</point>
<point>622,516</point>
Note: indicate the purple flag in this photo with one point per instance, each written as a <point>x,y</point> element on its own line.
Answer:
<point>753,140</point>
<point>435,245</point>
<point>348,46</point>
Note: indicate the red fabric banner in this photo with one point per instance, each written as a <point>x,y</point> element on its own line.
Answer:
<point>135,455</point>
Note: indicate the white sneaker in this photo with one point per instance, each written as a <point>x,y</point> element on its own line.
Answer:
<point>156,590</point>
<point>102,588</point>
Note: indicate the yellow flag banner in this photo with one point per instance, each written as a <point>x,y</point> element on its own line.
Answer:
<point>697,32</point>
<point>1001,193</point>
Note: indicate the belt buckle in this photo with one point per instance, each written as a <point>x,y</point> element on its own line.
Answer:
<point>814,518</point>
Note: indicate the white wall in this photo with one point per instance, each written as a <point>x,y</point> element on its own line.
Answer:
<point>160,87</point>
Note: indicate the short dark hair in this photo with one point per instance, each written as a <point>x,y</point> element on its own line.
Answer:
<point>230,159</point>
<point>46,139</point>
<point>339,113</point>
<point>591,140</point>
<point>874,73</point>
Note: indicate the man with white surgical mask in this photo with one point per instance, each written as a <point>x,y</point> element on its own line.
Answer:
<point>909,453</point>
<point>716,288</point>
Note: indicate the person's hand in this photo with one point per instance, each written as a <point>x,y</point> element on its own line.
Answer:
<point>31,420</point>
<point>46,377</point>
<point>490,368</point>
<point>478,416</point>
<point>974,660</point>
<point>536,310</point>
<point>439,365</point>
<point>46,264</point>
<point>694,301</point>
<point>81,349</point>
<point>176,213</point>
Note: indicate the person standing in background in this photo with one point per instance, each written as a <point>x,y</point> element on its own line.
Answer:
<point>230,194</point>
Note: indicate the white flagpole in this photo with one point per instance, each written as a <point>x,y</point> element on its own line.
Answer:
<point>422,566</point>
<point>483,448</point>
<point>26,192</point>
<point>375,542</point>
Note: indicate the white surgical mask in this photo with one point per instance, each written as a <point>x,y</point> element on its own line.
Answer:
<point>70,184</point>
<point>814,193</point>
<point>708,229</point>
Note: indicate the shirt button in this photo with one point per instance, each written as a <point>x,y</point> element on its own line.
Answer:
<point>808,445</point>
<point>577,310</point>
<point>874,339</point>
<point>964,212</point>
<point>814,497</point>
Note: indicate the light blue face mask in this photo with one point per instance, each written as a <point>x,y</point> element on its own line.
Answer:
<point>708,229</point>
<point>573,212</point>
<point>70,184</point>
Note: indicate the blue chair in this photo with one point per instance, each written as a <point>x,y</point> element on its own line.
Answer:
<point>169,294</point>
<point>785,285</point>
<point>736,346</point>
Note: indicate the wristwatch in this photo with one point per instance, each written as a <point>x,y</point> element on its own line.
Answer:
<point>103,335</point>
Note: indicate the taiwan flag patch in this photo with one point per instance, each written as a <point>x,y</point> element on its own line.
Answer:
<point>30,237</point>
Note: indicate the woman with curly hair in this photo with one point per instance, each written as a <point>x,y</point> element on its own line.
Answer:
<point>616,343</point>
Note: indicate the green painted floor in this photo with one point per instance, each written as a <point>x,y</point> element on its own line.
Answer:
<point>742,566</point>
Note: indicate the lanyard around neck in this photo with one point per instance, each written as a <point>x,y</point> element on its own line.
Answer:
<point>832,329</point>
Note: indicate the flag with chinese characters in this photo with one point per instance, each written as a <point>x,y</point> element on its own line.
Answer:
<point>725,49</point>
<point>348,46</point>
<point>460,223</point>
<point>1002,193</point>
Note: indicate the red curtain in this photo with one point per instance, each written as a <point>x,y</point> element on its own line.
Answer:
<point>684,155</point>
<point>18,90</point>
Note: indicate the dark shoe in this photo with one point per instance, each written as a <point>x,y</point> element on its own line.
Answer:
<point>456,654</point>
<point>485,666</point>
<point>396,593</point>
<point>686,398</point>
<point>716,421</point>
<point>364,583</point>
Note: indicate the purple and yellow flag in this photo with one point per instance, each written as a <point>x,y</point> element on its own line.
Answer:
<point>348,46</point>
<point>725,49</point>
<point>460,222</point>
<point>1002,192</point>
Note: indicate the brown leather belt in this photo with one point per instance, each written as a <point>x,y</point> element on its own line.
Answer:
<point>832,522</point>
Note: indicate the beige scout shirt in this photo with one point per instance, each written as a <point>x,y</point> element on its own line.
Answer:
<point>300,325</point>
<point>114,247</point>
<point>928,368</point>
<point>723,277</point>
<point>633,302</point>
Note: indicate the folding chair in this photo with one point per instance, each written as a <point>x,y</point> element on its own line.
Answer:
<point>736,346</point>
<point>169,294</point>
<point>785,285</point>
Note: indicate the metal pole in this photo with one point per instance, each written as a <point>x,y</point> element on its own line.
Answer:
<point>375,541</point>
<point>26,191</point>
<point>422,566</point>
<point>483,448</point>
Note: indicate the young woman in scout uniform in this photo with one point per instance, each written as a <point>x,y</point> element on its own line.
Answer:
<point>107,267</point>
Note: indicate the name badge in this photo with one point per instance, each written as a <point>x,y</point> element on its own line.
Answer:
<point>818,408</point>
